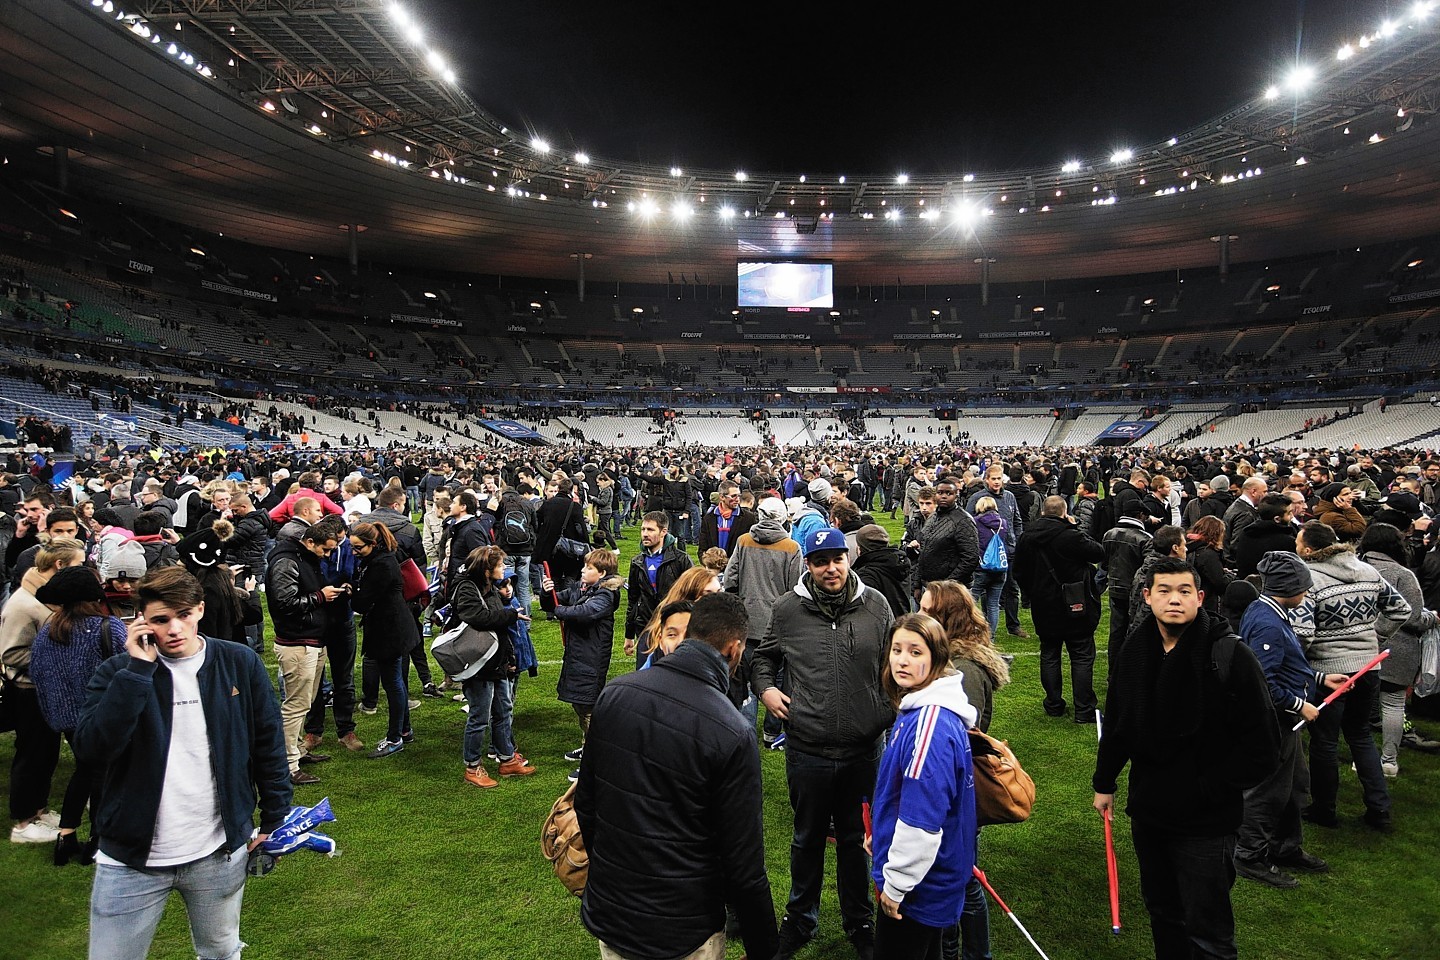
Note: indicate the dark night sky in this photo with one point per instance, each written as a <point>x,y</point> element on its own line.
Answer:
<point>914,88</point>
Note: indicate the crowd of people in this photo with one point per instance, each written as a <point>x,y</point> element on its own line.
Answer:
<point>1242,586</point>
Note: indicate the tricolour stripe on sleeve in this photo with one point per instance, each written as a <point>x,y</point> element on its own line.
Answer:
<point>924,733</point>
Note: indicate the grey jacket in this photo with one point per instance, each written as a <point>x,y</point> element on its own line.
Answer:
<point>1402,639</point>
<point>837,709</point>
<point>765,565</point>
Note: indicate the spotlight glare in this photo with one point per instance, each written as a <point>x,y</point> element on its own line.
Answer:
<point>1345,52</point>
<point>539,145</point>
<point>1388,28</point>
<point>1070,166</point>
<point>903,179</point>
<point>1300,78</point>
<point>676,171</point>
<point>742,176</point>
<point>1271,92</point>
<point>1122,156</point>
<point>582,158</point>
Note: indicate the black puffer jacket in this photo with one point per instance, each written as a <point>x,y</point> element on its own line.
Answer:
<point>390,628</point>
<point>949,547</point>
<point>292,590</point>
<point>669,803</point>
<point>588,615</point>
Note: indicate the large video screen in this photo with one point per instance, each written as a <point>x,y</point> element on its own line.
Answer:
<point>786,283</point>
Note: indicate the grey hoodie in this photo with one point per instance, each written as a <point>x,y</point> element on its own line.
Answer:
<point>1336,623</point>
<point>765,565</point>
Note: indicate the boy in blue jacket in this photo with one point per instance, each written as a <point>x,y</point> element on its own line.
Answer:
<point>1270,835</point>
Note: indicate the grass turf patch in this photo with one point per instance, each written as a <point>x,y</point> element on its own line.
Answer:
<point>431,864</point>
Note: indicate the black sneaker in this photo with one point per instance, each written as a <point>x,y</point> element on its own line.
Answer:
<point>862,938</point>
<point>1320,818</point>
<point>792,941</point>
<point>1263,872</point>
<point>431,691</point>
<point>574,775</point>
<point>574,755</point>
<point>1300,860</point>
<point>1378,819</point>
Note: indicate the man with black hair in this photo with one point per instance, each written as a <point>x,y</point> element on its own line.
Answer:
<point>830,632</point>
<point>1168,543</point>
<point>463,534</point>
<point>670,737</point>
<point>1271,530</point>
<point>653,571</point>
<point>1125,545</point>
<point>1189,710</point>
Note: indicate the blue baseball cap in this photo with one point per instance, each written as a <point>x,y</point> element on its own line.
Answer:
<point>825,539</point>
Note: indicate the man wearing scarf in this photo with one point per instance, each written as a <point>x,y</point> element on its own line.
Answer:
<point>1189,709</point>
<point>830,632</point>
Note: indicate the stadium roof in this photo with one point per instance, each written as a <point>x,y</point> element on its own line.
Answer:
<point>284,121</point>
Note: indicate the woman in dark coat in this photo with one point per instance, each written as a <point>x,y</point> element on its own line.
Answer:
<point>560,516</point>
<point>1205,545</point>
<point>390,629</point>
<point>586,610</point>
<point>229,606</point>
<point>489,693</point>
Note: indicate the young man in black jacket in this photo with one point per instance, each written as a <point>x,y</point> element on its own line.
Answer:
<point>188,734</point>
<point>1189,710</point>
<point>669,801</point>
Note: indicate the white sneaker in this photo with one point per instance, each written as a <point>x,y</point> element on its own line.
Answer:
<point>50,818</point>
<point>1391,768</point>
<point>33,832</point>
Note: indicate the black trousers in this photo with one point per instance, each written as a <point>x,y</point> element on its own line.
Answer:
<point>905,939</point>
<point>1186,884</point>
<point>37,751</point>
<point>340,653</point>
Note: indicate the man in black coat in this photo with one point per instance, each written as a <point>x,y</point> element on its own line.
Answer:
<point>1272,530</point>
<point>653,571</point>
<point>1054,563</point>
<point>882,567</point>
<point>669,802</point>
<point>1188,708</point>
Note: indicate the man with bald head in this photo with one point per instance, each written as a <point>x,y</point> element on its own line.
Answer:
<point>1242,513</point>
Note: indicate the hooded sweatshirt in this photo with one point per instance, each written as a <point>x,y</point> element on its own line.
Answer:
<point>924,806</point>
<point>764,566</point>
<point>1337,619</point>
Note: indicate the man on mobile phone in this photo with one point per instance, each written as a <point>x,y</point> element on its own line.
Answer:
<point>189,735</point>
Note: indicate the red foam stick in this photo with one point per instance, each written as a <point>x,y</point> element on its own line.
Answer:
<point>1350,682</point>
<point>1113,870</point>
<point>984,882</point>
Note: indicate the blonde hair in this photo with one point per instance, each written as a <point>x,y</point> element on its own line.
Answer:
<point>56,549</point>
<point>690,586</point>
<point>967,628</point>
<point>985,505</point>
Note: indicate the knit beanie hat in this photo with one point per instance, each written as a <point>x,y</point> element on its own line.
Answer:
<point>71,585</point>
<point>1283,573</point>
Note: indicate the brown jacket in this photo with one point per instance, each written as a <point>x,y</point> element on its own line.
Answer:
<point>1345,521</point>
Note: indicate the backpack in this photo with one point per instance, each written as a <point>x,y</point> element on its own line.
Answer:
<point>562,845</point>
<point>518,527</point>
<point>1004,793</point>
<point>995,557</point>
<point>1102,519</point>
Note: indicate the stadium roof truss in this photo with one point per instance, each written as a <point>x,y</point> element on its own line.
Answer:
<point>351,58</point>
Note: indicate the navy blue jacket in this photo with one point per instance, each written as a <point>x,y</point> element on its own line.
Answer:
<point>1266,628</point>
<point>125,725</point>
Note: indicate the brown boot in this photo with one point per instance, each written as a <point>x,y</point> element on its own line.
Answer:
<point>516,766</point>
<point>476,775</point>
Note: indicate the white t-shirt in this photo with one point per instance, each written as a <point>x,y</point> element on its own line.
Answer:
<point>188,825</point>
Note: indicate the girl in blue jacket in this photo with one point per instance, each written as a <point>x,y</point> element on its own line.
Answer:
<point>923,812</point>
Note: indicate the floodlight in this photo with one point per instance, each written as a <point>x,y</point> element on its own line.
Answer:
<point>742,176</point>
<point>1388,28</point>
<point>539,145</point>
<point>965,215</point>
<point>1300,78</point>
<point>969,178</point>
<point>903,179</point>
<point>1422,9</point>
<point>681,210</point>
<point>727,213</point>
<point>1122,156</point>
<point>1345,52</point>
<point>675,171</point>
<point>582,158</point>
<point>1301,162</point>
<point>436,61</point>
<point>1070,166</point>
<point>1271,92</point>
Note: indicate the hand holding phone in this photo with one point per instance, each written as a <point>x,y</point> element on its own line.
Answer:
<point>139,641</point>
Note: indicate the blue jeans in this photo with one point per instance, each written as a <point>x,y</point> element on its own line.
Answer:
<point>1186,884</point>
<point>520,563</point>
<point>393,672</point>
<point>126,905</point>
<point>970,938</point>
<point>822,791</point>
<point>986,587</point>
<point>491,711</point>
<point>1348,714</point>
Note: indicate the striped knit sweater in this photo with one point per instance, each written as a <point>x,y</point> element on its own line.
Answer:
<point>1336,623</point>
